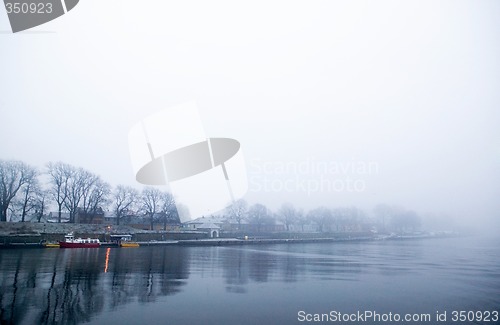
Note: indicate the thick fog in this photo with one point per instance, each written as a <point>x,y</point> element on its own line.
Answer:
<point>335,103</point>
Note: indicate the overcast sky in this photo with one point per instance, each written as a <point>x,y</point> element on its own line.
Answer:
<point>408,91</point>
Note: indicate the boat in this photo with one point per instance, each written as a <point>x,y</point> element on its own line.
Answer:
<point>129,244</point>
<point>51,245</point>
<point>71,242</point>
<point>124,240</point>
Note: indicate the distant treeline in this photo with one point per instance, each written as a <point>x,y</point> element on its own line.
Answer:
<point>74,190</point>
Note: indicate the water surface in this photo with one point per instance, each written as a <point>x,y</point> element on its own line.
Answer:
<point>259,284</point>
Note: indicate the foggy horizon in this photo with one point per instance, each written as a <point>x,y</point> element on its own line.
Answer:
<point>411,88</point>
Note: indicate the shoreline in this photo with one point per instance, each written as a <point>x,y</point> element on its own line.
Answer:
<point>241,242</point>
<point>32,235</point>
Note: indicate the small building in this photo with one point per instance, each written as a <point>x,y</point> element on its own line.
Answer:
<point>212,225</point>
<point>211,229</point>
<point>196,223</point>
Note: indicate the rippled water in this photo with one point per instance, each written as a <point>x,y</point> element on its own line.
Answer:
<point>260,284</point>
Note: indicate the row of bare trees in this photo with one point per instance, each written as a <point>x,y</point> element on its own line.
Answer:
<point>72,189</point>
<point>156,205</point>
<point>396,218</point>
<point>292,218</point>
<point>387,218</point>
<point>259,215</point>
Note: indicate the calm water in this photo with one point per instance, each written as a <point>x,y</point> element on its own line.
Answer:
<point>250,284</point>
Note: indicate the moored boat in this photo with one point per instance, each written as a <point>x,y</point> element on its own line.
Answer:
<point>51,245</point>
<point>71,242</point>
<point>129,244</point>
<point>124,240</point>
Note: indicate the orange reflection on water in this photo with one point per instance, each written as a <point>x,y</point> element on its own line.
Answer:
<point>107,260</point>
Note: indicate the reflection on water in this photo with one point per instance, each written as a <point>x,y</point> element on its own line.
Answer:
<point>68,286</point>
<point>268,284</point>
<point>106,263</point>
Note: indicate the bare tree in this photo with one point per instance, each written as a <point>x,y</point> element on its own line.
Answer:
<point>79,182</point>
<point>124,198</point>
<point>288,215</point>
<point>321,216</point>
<point>29,192</point>
<point>30,202</point>
<point>259,215</point>
<point>301,219</point>
<point>348,218</point>
<point>238,211</point>
<point>59,176</point>
<point>403,219</point>
<point>357,218</point>
<point>151,199</point>
<point>41,200</point>
<point>88,183</point>
<point>94,196</point>
<point>345,219</point>
<point>383,212</point>
<point>168,212</point>
<point>13,175</point>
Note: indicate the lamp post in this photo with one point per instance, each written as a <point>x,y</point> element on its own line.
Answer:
<point>108,231</point>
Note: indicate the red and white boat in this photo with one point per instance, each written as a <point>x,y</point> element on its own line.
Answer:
<point>71,242</point>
